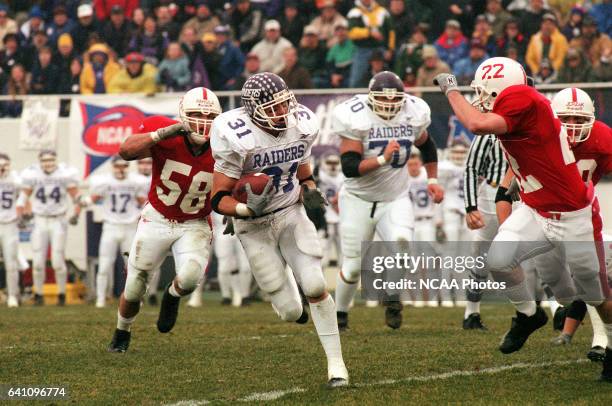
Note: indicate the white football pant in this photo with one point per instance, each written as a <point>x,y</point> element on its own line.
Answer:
<point>49,230</point>
<point>9,241</point>
<point>115,238</point>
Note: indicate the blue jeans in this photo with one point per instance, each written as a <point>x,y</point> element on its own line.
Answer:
<point>360,65</point>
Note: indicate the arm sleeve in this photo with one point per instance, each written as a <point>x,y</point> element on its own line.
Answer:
<point>228,161</point>
<point>478,149</point>
<point>340,124</point>
<point>515,107</point>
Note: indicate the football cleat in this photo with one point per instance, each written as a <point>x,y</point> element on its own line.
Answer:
<point>559,318</point>
<point>337,376</point>
<point>342,320</point>
<point>303,318</point>
<point>562,339</point>
<point>226,301</point>
<point>393,314</point>
<point>120,341</point>
<point>473,322</point>
<point>12,301</point>
<point>606,373</point>
<point>61,299</point>
<point>152,300</point>
<point>337,383</point>
<point>246,301</point>
<point>596,354</point>
<point>39,300</point>
<point>168,312</point>
<point>520,330</point>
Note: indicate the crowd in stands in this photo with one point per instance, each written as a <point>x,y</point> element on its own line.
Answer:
<point>147,46</point>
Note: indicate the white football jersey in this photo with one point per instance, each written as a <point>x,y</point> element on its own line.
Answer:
<point>353,119</point>
<point>10,187</point>
<point>241,148</point>
<point>119,196</point>
<point>330,186</point>
<point>49,196</point>
<point>422,203</point>
<point>451,179</point>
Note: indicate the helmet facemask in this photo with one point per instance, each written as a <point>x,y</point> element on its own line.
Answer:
<point>580,130</point>
<point>120,169</point>
<point>386,103</point>
<point>145,166</point>
<point>457,154</point>
<point>278,114</point>
<point>484,98</point>
<point>199,120</point>
<point>331,165</point>
<point>48,162</point>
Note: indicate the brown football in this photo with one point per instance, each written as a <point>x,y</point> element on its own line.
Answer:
<point>258,182</point>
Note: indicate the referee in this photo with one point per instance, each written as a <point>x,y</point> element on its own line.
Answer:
<point>485,168</point>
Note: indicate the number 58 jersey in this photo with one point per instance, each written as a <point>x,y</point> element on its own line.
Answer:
<point>181,181</point>
<point>354,120</point>
<point>241,148</point>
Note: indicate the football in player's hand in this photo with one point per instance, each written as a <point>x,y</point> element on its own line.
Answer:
<point>258,182</point>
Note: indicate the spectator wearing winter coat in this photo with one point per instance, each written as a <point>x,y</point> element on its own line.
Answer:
<point>546,74</point>
<point>312,55</point>
<point>116,31</point>
<point>292,23</point>
<point>61,24</point>
<point>251,67</point>
<point>512,37</point>
<point>232,58</point>
<point>167,27</point>
<point>325,23</point>
<point>432,65</point>
<point>85,26</point>
<point>246,23</point>
<point>212,60</point>
<point>7,25</point>
<point>99,68</point>
<point>576,68</point>
<point>104,7</point>
<point>18,84</point>
<point>194,50</point>
<point>548,43</point>
<point>270,49</point>
<point>410,53</point>
<point>204,20</point>
<point>294,75</point>
<point>595,44</point>
<point>173,72</point>
<point>465,68</point>
<point>149,42</point>
<point>71,83</point>
<point>403,21</point>
<point>45,74</point>
<point>34,24</point>
<point>483,33</point>
<point>138,76</point>
<point>340,57</point>
<point>531,17</point>
<point>497,17</point>
<point>573,27</point>
<point>452,44</point>
<point>12,54</point>
<point>64,56</point>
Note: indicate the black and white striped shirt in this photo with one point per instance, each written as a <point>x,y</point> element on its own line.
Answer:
<point>485,160</point>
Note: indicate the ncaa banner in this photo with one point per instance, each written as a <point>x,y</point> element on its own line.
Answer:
<point>101,124</point>
<point>38,124</point>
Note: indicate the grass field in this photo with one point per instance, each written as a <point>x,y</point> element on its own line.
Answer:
<point>225,355</point>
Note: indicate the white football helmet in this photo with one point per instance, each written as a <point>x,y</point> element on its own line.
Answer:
<point>574,102</point>
<point>492,77</point>
<point>145,166</point>
<point>120,167</point>
<point>5,165</point>
<point>202,101</point>
<point>457,154</point>
<point>331,164</point>
<point>48,160</point>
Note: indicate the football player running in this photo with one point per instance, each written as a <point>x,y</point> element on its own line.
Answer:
<point>274,134</point>
<point>176,218</point>
<point>377,131</point>
<point>330,180</point>
<point>557,204</point>
<point>50,183</point>
<point>10,185</point>
<point>122,194</point>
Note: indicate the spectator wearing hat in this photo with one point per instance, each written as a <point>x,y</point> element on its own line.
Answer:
<point>99,68</point>
<point>18,84</point>
<point>204,20</point>
<point>326,23</point>
<point>61,24</point>
<point>465,68</point>
<point>548,43</point>
<point>573,27</point>
<point>312,55</point>
<point>410,53</point>
<point>370,29</point>
<point>576,68</point>
<point>44,74</point>
<point>12,54</point>
<point>497,17</point>
<point>432,65</point>
<point>595,44</point>
<point>452,44</point>
<point>116,31</point>
<point>173,72</point>
<point>270,49</point>
<point>138,76</point>
<point>168,28</point>
<point>36,22</point>
<point>340,56</point>
<point>512,38</point>
<point>376,65</point>
<point>546,75</point>
<point>246,23</point>
<point>7,25</point>
<point>232,58</point>
<point>212,60</point>
<point>294,75</point>
<point>483,33</point>
<point>149,41</point>
<point>85,26</point>
<point>105,7</point>
<point>251,67</point>
<point>292,23</point>
<point>39,40</point>
<point>409,78</point>
<point>65,54</point>
<point>531,17</point>
<point>403,21</point>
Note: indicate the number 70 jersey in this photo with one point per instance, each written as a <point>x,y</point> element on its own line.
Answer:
<point>355,120</point>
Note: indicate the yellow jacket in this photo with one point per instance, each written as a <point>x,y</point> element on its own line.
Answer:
<point>144,83</point>
<point>556,52</point>
<point>88,77</point>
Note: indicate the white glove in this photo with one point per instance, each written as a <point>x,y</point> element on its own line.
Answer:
<point>446,81</point>
<point>170,131</point>
<point>257,203</point>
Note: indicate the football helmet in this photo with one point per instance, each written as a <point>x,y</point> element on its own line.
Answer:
<point>457,154</point>
<point>574,102</point>
<point>5,165</point>
<point>201,101</point>
<point>269,102</point>
<point>120,167</point>
<point>386,94</point>
<point>492,77</point>
<point>48,160</point>
<point>331,164</point>
<point>145,166</point>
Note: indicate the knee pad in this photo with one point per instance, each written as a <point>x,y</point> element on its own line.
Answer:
<point>288,310</point>
<point>577,310</point>
<point>313,284</point>
<point>135,285</point>
<point>190,275</point>
<point>501,257</point>
<point>351,269</point>
<point>270,275</point>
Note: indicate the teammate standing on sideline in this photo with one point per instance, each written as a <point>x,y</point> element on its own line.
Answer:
<point>10,186</point>
<point>50,184</point>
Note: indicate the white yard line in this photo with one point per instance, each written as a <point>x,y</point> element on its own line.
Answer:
<point>277,394</point>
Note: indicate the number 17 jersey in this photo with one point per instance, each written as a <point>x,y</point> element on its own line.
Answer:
<point>355,120</point>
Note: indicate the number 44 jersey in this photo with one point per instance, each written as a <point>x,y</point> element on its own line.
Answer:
<point>354,120</point>
<point>49,190</point>
<point>181,181</point>
<point>241,148</point>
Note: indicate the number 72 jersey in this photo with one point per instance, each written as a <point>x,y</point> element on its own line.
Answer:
<point>354,120</point>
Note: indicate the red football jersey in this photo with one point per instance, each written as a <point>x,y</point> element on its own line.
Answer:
<point>539,152</point>
<point>180,182</point>
<point>594,155</point>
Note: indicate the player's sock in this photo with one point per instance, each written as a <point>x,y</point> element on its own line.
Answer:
<point>608,329</point>
<point>172,291</point>
<point>344,293</point>
<point>101,285</point>
<point>245,282</point>
<point>61,278</point>
<point>124,323</point>
<point>236,288</point>
<point>38,277</point>
<point>599,332</point>
<point>521,299</point>
<point>225,284</point>
<point>554,305</point>
<point>324,318</point>
<point>471,308</point>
